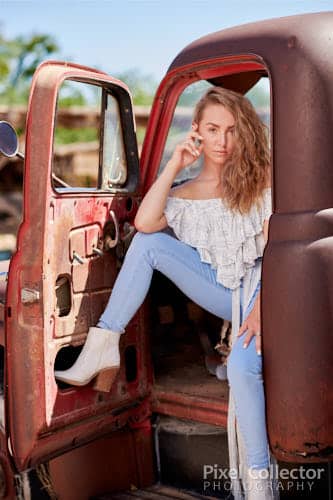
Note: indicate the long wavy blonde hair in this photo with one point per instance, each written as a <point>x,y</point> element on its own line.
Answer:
<point>247,172</point>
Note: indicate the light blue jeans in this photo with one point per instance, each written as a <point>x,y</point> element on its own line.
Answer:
<point>197,280</point>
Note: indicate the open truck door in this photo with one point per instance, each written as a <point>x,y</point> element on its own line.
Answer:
<point>69,249</point>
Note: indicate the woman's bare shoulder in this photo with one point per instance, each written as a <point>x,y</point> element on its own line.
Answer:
<point>185,190</point>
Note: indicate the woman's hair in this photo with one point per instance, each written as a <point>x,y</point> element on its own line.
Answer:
<point>246,173</point>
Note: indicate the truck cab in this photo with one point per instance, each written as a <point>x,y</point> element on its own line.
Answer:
<point>74,234</point>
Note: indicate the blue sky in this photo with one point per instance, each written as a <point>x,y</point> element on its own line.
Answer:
<point>122,34</point>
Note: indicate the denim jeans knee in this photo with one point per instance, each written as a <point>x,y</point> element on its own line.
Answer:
<point>144,241</point>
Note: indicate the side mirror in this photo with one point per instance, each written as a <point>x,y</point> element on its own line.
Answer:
<point>8,140</point>
<point>9,146</point>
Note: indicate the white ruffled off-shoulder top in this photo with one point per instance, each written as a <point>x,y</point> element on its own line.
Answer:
<point>229,241</point>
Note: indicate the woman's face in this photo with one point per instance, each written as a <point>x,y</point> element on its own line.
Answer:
<point>217,128</point>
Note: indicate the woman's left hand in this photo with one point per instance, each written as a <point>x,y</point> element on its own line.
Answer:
<point>252,326</point>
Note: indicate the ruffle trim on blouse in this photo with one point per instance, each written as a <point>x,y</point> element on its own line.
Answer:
<point>230,242</point>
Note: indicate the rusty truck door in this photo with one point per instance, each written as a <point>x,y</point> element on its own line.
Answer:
<point>62,274</point>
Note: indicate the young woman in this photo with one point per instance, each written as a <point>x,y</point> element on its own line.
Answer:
<point>220,219</point>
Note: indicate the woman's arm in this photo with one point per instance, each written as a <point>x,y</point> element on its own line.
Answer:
<point>150,216</point>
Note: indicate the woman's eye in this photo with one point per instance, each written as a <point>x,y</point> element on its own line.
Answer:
<point>212,130</point>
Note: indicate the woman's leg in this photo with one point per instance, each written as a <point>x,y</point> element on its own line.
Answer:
<point>246,382</point>
<point>179,262</point>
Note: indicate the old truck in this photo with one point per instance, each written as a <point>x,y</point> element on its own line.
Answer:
<point>165,417</point>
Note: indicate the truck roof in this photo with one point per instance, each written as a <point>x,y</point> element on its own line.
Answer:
<point>273,40</point>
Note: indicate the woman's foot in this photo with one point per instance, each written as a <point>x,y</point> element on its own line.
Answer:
<point>99,356</point>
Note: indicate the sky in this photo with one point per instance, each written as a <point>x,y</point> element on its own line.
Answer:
<point>118,35</point>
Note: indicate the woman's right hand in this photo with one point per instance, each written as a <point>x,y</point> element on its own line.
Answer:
<point>187,152</point>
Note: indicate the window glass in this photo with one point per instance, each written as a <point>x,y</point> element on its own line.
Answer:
<point>76,135</point>
<point>181,126</point>
<point>259,96</point>
<point>89,150</point>
<point>114,159</point>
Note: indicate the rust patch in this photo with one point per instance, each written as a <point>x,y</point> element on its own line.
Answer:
<point>324,453</point>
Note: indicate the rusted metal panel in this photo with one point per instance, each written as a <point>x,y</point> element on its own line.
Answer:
<point>105,465</point>
<point>190,407</point>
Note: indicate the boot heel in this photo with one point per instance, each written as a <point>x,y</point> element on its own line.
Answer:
<point>105,379</point>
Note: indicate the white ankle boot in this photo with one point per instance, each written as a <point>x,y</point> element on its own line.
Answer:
<point>99,356</point>
<point>259,485</point>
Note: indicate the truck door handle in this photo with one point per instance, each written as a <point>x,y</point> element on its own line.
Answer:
<point>98,251</point>
<point>78,257</point>
<point>108,241</point>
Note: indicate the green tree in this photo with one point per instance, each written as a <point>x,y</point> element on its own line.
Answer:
<point>142,87</point>
<point>19,58</point>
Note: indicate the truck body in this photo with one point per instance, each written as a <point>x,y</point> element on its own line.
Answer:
<point>73,239</point>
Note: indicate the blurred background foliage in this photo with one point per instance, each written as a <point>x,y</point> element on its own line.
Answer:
<point>20,56</point>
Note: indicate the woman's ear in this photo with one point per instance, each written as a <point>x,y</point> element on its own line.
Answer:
<point>194,126</point>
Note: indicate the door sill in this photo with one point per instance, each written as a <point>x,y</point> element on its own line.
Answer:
<point>191,407</point>
<point>190,392</point>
